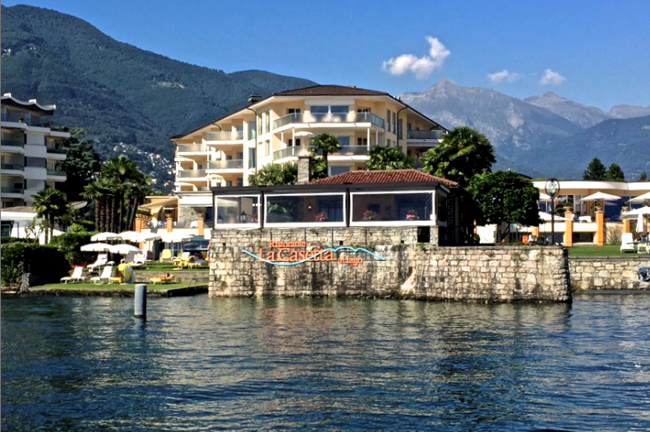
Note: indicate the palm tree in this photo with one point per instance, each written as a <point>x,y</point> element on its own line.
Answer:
<point>274,174</point>
<point>50,204</point>
<point>461,155</point>
<point>388,158</point>
<point>324,144</point>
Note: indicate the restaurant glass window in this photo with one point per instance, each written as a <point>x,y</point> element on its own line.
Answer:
<point>305,208</point>
<point>237,210</point>
<point>368,207</point>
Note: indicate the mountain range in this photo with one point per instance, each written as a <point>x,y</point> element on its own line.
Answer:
<point>131,101</point>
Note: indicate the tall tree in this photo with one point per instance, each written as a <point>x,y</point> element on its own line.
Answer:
<point>80,165</point>
<point>323,145</point>
<point>462,154</point>
<point>50,204</point>
<point>595,170</point>
<point>274,174</point>
<point>643,177</point>
<point>504,196</point>
<point>615,173</point>
<point>387,158</point>
<point>117,193</point>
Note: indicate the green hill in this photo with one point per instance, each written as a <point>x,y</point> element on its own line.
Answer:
<point>130,100</point>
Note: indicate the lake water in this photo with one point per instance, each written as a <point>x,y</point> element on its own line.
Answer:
<point>206,364</point>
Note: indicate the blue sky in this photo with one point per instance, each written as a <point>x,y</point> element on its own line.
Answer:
<point>593,52</point>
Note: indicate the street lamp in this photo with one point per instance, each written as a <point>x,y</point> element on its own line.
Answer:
<point>552,189</point>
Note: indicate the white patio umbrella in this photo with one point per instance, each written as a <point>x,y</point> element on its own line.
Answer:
<point>601,196</point>
<point>137,237</point>
<point>104,236</point>
<point>175,237</point>
<point>544,197</point>
<point>634,214</point>
<point>123,249</point>
<point>639,223</point>
<point>641,198</point>
<point>95,247</point>
<point>546,217</point>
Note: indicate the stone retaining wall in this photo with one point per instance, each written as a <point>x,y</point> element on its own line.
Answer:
<point>142,276</point>
<point>607,273</point>
<point>409,270</point>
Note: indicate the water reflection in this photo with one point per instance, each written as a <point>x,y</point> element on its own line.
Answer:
<point>200,363</point>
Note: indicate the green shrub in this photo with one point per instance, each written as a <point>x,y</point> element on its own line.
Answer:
<point>45,263</point>
<point>7,240</point>
<point>69,245</point>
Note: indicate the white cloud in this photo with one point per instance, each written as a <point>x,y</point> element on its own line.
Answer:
<point>422,67</point>
<point>503,76</point>
<point>551,78</point>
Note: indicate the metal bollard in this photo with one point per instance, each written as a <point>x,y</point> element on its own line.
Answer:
<point>140,301</point>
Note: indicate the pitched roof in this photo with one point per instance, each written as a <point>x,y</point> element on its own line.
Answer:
<point>388,176</point>
<point>330,90</point>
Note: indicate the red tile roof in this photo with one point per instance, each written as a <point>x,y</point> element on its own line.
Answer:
<point>389,176</point>
<point>330,90</point>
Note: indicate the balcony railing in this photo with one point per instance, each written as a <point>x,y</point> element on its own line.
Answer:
<point>12,143</point>
<point>192,148</point>
<point>329,118</point>
<point>351,151</point>
<point>16,167</point>
<point>56,150</point>
<point>226,164</point>
<point>291,151</point>
<point>52,172</point>
<point>421,134</point>
<point>191,174</point>
<point>224,136</point>
<point>9,190</point>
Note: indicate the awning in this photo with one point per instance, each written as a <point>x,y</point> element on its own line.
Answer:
<point>154,207</point>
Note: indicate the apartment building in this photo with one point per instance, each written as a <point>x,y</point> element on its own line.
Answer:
<point>278,129</point>
<point>30,150</point>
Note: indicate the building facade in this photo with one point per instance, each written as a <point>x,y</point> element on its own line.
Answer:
<point>30,151</point>
<point>278,129</point>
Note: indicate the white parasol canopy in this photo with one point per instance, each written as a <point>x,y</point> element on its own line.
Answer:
<point>641,198</point>
<point>175,237</point>
<point>601,196</point>
<point>639,224</point>
<point>544,197</point>
<point>95,247</point>
<point>137,237</point>
<point>547,217</point>
<point>634,214</point>
<point>104,236</point>
<point>123,249</point>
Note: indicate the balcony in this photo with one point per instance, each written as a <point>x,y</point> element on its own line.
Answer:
<point>351,118</point>
<point>291,151</point>
<point>8,190</point>
<point>224,136</point>
<point>192,148</point>
<point>236,164</point>
<point>425,135</point>
<point>191,174</point>
<point>12,167</point>
<point>56,150</point>
<point>12,143</point>
<point>55,173</point>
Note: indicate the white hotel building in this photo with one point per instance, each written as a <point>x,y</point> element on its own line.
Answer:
<point>278,129</point>
<point>30,151</point>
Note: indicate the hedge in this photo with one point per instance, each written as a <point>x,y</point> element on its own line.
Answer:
<point>7,240</point>
<point>70,243</point>
<point>45,263</point>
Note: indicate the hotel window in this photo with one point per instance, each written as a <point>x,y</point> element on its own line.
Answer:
<point>319,109</point>
<point>336,170</point>
<point>362,141</point>
<point>240,181</point>
<point>339,109</point>
<point>293,110</point>
<point>399,129</point>
<point>251,130</point>
<point>252,158</point>
<point>363,110</point>
<point>394,123</point>
<point>290,142</point>
<point>267,148</point>
<point>387,120</point>
<point>267,124</point>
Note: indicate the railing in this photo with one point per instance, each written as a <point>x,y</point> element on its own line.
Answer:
<point>224,136</point>
<point>329,118</point>
<point>422,134</point>
<point>192,148</point>
<point>291,151</point>
<point>56,150</point>
<point>226,164</point>
<point>16,118</point>
<point>191,173</point>
<point>51,172</point>
<point>12,143</point>
<point>8,190</point>
<point>17,167</point>
<point>351,151</point>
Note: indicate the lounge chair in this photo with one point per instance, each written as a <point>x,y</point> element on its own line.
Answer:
<point>627,243</point>
<point>102,259</point>
<point>182,260</point>
<point>166,255</point>
<point>105,276</point>
<point>76,276</point>
<point>139,259</point>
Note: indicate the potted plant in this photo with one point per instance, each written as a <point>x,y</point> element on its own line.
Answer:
<point>321,217</point>
<point>412,215</point>
<point>369,215</point>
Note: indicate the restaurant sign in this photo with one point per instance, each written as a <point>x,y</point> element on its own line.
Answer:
<point>281,253</point>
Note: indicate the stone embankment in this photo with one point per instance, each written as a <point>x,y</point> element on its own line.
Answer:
<point>399,269</point>
<point>608,273</point>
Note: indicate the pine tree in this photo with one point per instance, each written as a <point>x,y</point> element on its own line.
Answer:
<point>595,170</point>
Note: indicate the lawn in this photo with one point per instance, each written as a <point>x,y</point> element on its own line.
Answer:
<point>102,287</point>
<point>612,250</point>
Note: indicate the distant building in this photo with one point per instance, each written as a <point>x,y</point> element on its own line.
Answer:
<point>30,151</point>
<point>279,128</point>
